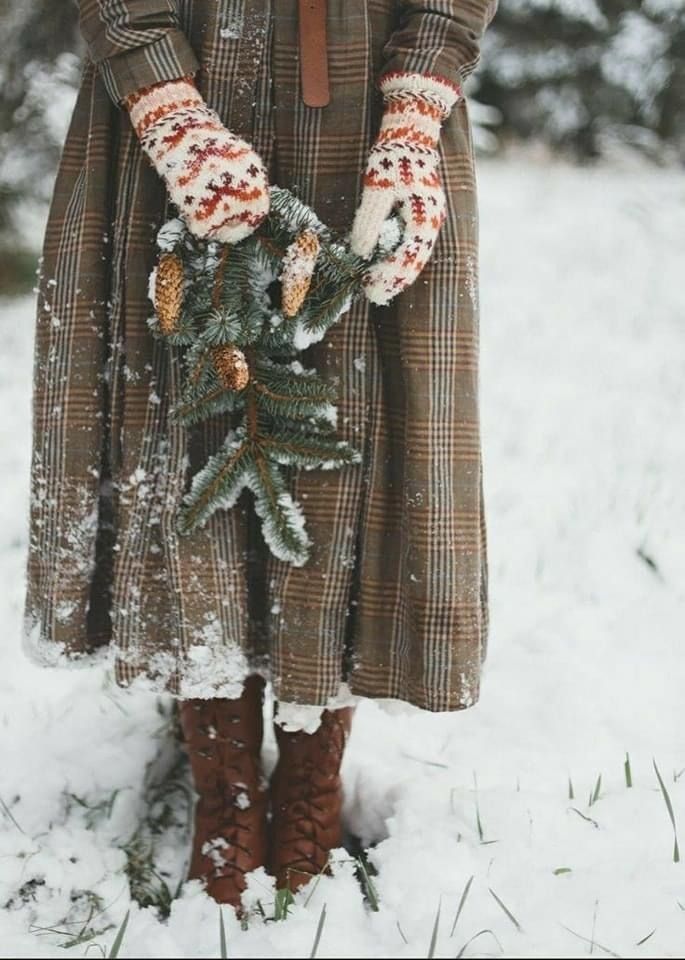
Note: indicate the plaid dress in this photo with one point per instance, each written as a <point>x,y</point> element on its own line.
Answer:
<point>393,599</point>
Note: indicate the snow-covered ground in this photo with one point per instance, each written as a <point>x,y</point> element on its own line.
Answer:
<point>583,395</point>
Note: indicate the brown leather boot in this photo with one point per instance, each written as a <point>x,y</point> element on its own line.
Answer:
<point>306,799</point>
<point>224,739</point>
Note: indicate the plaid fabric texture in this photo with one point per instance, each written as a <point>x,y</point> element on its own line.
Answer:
<point>394,596</point>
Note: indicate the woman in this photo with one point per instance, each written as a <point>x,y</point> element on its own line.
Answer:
<point>199,105</point>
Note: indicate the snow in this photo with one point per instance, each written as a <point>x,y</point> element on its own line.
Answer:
<point>169,236</point>
<point>583,389</point>
<point>302,716</point>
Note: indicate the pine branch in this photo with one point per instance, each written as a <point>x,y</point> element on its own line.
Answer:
<point>309,452</point>
<point>288,413</point>
<point>182,337</point>
<point>285,393</point>
<point>218,484</point>
<point>282,379</point>
<point>194,409</point>
<point>322,313</point>
<point>220,327</point>
<point>282,518</point>
<point>287,212</point>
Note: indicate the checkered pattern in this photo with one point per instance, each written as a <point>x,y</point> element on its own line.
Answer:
<point>394,596</point>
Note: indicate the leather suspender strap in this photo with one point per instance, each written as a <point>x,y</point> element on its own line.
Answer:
<point>314,53</point>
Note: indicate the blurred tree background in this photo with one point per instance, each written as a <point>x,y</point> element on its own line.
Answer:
<point>584,77</point>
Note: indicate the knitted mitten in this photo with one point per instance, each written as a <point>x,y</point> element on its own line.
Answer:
<point>216,180</point>
<point>403,172</point>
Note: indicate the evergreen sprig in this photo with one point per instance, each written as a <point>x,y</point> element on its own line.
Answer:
<point>284,416</point>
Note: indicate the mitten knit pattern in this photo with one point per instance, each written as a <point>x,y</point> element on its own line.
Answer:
<point>215,178</point>
<point>403,174</point>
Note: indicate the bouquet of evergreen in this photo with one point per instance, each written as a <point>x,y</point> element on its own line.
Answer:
<point>240,314</point>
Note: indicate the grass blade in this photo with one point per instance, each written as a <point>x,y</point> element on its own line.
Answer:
<point>118,940</point>
<point>319,931</point>
<point>628,772</point>
<point>434,935</point>
<point>282,903</point>
<point>10,816</point>
<point>571,793</point>
<point>461,904</point>
<point>669,807</point>
<point>596,791</point>
<point>645,939</point>
<point>506,910</point>
<point>222,936</point>
<point>593,942</point>
<point>589,819</point>
<point>368,885</point>
<point>479,823</point>
<point>475,937</point>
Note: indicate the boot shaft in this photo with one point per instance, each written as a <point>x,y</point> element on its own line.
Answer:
<point>223,739</point>
<point>306,799</point>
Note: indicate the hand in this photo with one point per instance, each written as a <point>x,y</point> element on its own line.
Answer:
<point>403,173</point>
<point>216,180</point>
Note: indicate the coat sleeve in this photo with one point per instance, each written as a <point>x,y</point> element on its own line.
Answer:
<point>135,43</point>
<point>440,37</point>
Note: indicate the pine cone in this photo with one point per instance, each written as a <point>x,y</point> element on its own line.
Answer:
<point>296,274</point>
<point>231,366</point>
<point>169,292</point>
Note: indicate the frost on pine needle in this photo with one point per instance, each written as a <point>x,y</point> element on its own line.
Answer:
<point>304,336</point>
<point>294,214</point>
<point>283,523</point>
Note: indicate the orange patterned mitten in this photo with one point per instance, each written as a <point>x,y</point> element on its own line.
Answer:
<point>216,180</point>
<point>403,174</point>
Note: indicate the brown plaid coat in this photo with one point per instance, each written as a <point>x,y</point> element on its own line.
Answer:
<point>393,598</point>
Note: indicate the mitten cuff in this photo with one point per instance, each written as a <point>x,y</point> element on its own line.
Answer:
<point>151,104</point>
<point>437,93</point>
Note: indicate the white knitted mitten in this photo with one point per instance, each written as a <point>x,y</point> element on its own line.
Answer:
<point>216,180</point>
<point>403,173</point>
